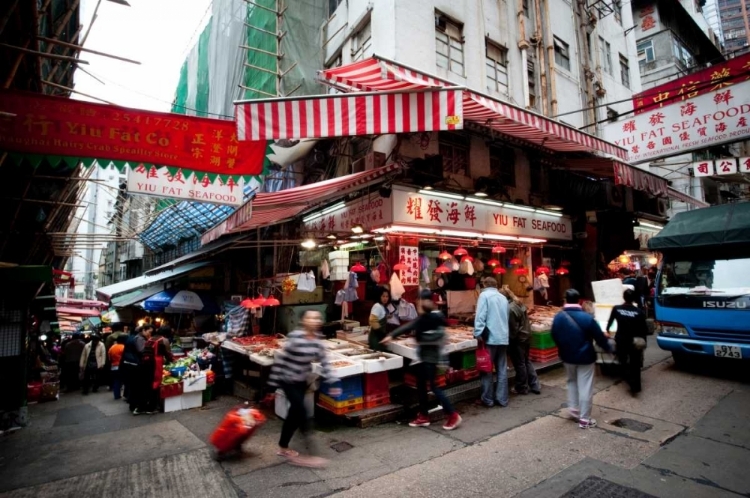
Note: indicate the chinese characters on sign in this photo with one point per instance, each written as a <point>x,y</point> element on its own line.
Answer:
<point>370,212</point>
<point>703,168</point>
<point>717,77</point>
<point>726,166</point>
<point>744,163</point>
<point>409,255</point>
<point>64,127</point>
<point>159,182</point>
<point>710,119</point>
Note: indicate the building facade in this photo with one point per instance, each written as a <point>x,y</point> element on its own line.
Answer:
<point>735,24</point>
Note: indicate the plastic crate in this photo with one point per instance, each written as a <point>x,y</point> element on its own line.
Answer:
<point>411,380</point>
<point>542,340</point>
<point>170,390</point>
<point>464,360</point>
<point>543,355</point>
<point>341,411</point>
<point>468,374</point>
<point>327,400</point>
<point>351,387</point>
<point>376,384</point>
<point>377,400</point>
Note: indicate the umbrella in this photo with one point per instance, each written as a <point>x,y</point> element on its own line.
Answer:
<point>172,301</point>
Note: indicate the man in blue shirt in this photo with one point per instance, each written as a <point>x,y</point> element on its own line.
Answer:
<point>491,326</point>
<point>574,332</point>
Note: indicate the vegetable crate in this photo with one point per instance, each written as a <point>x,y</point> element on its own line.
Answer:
<point>467,374</point>
<point>376,384</point>
<point>170,390</point>
<point>351,388</point>
<point>543,355</point>
<point>375,400</point>
<point>542,340</point>
<point>343,410</point>
<point>327,400</point>
<point>464,360</point>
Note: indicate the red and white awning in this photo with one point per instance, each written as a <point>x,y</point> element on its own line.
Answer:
<point>622,174</point>
<point>271,209</point>
<point>349,115</point>
<point>379,75</point>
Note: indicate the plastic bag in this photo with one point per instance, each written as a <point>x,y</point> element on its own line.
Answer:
<point>484,361</point>
<point>306,282</point>
<point>397,288</point>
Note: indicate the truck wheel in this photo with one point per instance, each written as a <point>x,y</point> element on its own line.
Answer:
<point>681,360</point>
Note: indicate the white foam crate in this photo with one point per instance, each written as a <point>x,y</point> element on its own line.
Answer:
<point>356,367</point>
<point>380,362</point>
<point>194,385</point>
<point>407,351</point>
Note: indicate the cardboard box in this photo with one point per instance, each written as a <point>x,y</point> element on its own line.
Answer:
<point>301,297</point>
<point>194,385</point>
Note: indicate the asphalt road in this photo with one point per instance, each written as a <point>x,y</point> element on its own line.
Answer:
<point>686,435</point>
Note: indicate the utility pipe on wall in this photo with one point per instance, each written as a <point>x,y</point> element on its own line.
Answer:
<point>539,35</point>
<point>550,60</point>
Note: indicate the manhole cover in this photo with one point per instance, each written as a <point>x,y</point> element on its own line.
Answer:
<point>595,487</point>
<point>632,425</point>
<point>341,447</point>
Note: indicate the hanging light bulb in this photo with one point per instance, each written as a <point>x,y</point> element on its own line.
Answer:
<point>493,263</point>
<point>653,260</point>
<point>624,259</point>
<point>399,267</point>
<point>272,301</point>
<point>515,261</point>
<point>562,271</point>
<point>543,269</point>
<point>498,249</point>
<point>260,301</point>
<point>249,304</point>
<point>445,255</point>
<point>309,244</point>
<point>499,271</point>
<point>460,251</point>
<point>443,269</point>
<point>358,267</point>
<point>467,258</point>
<point>521,271</point>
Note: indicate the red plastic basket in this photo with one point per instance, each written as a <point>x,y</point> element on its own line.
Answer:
<point>376,383</point>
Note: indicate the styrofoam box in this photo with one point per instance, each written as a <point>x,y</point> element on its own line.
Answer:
<point>373,363</point>
<point>467,344</point>
<point>281,404</point>
<point>356,367</point>
<point>194,385</point>
<point>336,344</point>
<point>185,401</point>
<point>404,350</point>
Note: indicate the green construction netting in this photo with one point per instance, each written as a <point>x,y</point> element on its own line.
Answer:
<point>203,87</point>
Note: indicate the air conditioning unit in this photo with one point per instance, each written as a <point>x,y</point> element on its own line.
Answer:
<point>371,161</point>
<point>615,196</point>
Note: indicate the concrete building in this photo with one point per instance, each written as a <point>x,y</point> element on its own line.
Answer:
<point>711,13</point>
<point>735,23</point>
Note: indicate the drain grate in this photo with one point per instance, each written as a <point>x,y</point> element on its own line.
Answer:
<point>341,447</point>
<point>632,425</point>
<point>595,487</point>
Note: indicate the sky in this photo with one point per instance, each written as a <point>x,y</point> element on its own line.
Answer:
<point>157,33</point>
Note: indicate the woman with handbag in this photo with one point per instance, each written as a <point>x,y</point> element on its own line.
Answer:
<point>630,339</point>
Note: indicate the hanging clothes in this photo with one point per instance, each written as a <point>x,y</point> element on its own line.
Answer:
<point>238,321</point>
<point>466,268</point>
<point>383,273</point>
<point>350,291</point>
<point>325,269</point>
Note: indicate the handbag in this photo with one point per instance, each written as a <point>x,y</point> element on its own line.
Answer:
<point>639,343</point>
<point>484,361</point>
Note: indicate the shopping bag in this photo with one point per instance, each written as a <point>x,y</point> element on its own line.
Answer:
<point>484,361</point>
<point>306,282</point>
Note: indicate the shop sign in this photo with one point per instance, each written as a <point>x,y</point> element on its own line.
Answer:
<point>720,167</point>
<point>648,21</point>
<point>37,124</point>
<point>370,212</point>
<point>711,119</point>
<point>409,255</point>
<point>440,213</point>
<point>159,182</point>
<point>716,77</point>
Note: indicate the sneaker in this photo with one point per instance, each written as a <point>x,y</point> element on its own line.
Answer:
<point>454,420</point>
<point>136,412</point>
<point>574,414</point>
<point>420,421</point>
<point>587,424</point>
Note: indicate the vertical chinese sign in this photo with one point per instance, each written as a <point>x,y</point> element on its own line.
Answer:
<point>409,256</point>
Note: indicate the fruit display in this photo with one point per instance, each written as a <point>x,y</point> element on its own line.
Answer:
<point>257,343</point>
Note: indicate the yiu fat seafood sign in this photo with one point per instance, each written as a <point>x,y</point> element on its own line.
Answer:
<point>714,118</point>
<point>160,182</point>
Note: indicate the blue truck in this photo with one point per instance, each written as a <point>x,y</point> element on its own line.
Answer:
<point>702,292</point>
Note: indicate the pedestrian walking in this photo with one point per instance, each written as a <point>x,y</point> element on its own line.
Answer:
<point>630,339</point>
<point>291,372</point>
<point>574,332</point>
<point>115,358</point>
<point>71,354</point>
<point>519,333</point>
<point>429,329</point>
<point>491,327</point>
<point>91,363</point>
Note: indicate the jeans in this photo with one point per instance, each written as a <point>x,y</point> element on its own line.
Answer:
<point>631,360</point>
<point>525,373</point>
<point>296,418</point>
<point>116,382</point>
<point>426,373</point>
<point>499,394</point>
<point>90,379</point>
<point>580,388</point>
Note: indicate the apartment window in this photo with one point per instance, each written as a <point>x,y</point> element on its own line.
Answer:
<point>362,43</point>
<point>562,53</point>
<point>497,68</point>
<point>682,54</point>
<point>645,51</point>
<point>454,148</point>
<point>606,55</point>
<point>333,5</point>
<point>449,44</point>
<point>624,71</point>
<point>532,83</point>
<point>503,165</point>
<point>617,8</point>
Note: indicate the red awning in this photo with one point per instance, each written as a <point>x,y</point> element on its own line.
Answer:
<point>270,209</point>
<point>683,197</point>
<point>349,115</point>
<point>630,176</point>
<point>81,303</point>
<point>64,310</point>
<point>377,74</point>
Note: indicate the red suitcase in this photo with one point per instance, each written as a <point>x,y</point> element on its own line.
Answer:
<point>237,427</point>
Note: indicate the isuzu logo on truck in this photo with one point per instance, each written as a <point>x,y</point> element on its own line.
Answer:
<point>725,304</point>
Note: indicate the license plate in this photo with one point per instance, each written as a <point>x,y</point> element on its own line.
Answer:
<point>727,351</point>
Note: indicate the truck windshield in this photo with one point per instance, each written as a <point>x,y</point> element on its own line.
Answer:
<point>723,277</point>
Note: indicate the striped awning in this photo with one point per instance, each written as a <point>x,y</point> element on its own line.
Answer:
<point>377,74</point>
<point>278,207</point>
<point>344,115</point>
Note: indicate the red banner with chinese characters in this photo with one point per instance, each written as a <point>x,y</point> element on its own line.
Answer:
<point>38,124</point>
<point>707,80</point>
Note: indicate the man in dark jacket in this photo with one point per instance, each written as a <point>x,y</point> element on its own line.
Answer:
<point>71,355</point>
<point>631,323</point>
<point>518,347</point>
<point>574,332</point>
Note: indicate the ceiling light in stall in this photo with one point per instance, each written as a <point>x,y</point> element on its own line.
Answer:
<point>358,228</point>
<point>331,236</point>
<point>309,244</point>
<point>443,269</point>
<point>562,271</point>
<point>624,259</point>
<point>460,251</point>
<point>499,271</point>
<point>467,258</point>
<point>445,255</point>
<point>498,249</point>
<point>515,261</point>
<point>493,262</point>
<point>652,260</point>
<point>521,271</point>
